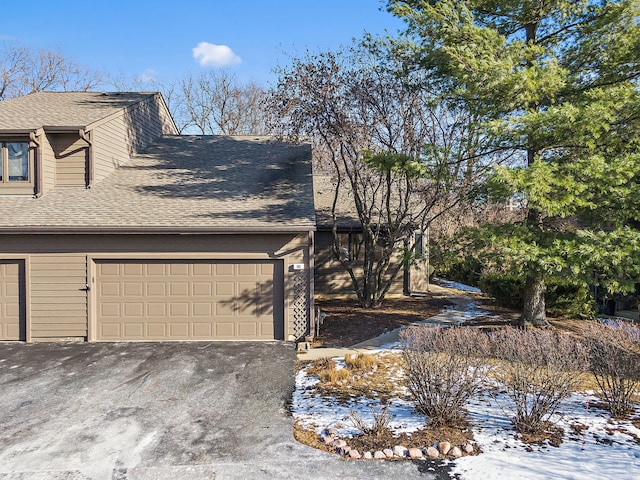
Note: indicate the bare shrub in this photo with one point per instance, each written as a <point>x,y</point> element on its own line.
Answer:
<point>614,361</point>
<point>445,367</point>
<point>539,369</point>
<point>363,362</point>
<point>381,421</point>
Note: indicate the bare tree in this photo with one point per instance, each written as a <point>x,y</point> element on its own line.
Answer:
<point>24,70</point>
<point>216,102</point>
<point>394,150</point>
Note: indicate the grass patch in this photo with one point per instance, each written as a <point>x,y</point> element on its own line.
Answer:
<point>374,376</point>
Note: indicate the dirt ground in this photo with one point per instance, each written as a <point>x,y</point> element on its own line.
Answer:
<point>347,323</point>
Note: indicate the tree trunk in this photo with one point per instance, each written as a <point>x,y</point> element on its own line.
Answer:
<point>534,304</point>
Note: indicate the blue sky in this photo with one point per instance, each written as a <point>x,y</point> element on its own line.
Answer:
<point>158,38</point>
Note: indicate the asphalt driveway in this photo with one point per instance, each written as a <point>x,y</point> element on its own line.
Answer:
<point>120,411</point>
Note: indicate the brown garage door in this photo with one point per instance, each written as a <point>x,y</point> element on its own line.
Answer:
<point>12,301</point>
<point>189,300</point>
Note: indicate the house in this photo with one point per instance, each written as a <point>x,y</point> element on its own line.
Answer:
<point>114,227</point>
<point>331,278</point>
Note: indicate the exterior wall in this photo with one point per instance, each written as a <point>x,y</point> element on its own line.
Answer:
<point>70,153</point>
<point>48,164</point>
<point>115,141</point>
<point>61,267</point>
<point>331,278</point>
<point>110,148</point>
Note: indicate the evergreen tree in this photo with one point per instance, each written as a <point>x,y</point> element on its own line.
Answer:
<point>556,83</point>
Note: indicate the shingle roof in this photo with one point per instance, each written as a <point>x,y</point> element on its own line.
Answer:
<point>184,182</point>
<point>324,190</point>
<point>78,109</point>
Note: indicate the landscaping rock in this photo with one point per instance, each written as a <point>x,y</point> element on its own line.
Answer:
<point>332,432</point>
<point>378,455</point>
<point>388,452</point>
<point>444,447</point>
<point>339,444</point>
<point>344,450</point>
<point>468,448</point>
<point>415,453</point>
<point>456,452</point>
<point>400,451</point>
<point>328,440</point>
<point>355,454</point>
<point>432,452</point>
<point>368,455</point>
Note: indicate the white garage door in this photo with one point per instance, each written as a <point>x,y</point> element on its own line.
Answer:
<point>189,300</point>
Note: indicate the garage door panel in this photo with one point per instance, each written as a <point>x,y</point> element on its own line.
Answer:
<point>181,300</point>
<point>156,289</point>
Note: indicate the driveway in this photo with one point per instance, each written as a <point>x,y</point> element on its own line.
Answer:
<point>126,411</point>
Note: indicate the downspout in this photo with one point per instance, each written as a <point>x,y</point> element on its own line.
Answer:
<point>85,136</point>
<point>38,185</point>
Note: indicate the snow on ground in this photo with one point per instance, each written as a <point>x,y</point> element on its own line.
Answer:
<point>457,286</point>
<point>610,450</point>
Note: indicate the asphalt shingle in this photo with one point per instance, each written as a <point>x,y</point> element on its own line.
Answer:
<point>184,182</point>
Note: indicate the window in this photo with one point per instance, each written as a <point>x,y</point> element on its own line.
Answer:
<point>419,245</point>
<point>350,246</point>
<point>14,162</point>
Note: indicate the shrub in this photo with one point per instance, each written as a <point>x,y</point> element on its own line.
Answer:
<point>539,369</point>
<point>381,420</point>
<point>614,360</point>
<point>562,297</point>
<point>444,368</point>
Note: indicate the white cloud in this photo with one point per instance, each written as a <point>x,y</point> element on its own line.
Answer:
<point>211,55</point>
<point>148,76</point>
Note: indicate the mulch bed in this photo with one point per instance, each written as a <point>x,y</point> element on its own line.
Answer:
<point>347,323</point>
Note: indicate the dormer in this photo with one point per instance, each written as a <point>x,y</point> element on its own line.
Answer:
<point>74,139</point>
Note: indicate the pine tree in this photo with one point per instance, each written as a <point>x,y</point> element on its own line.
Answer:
<point>556,84</point>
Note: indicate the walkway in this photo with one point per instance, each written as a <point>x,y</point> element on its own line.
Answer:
<point>454,315</point>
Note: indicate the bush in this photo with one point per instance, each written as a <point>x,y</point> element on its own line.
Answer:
<point>380,425</point>
<point>539,369</point>
<point>614,360</point>
<point>444,368</point>
<point>508,291</point>
<point>562,298</point>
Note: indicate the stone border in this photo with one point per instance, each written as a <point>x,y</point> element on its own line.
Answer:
<point>441,450</point>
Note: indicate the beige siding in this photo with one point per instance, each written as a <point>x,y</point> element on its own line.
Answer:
<point>109,147</point>
<point>12,300</point>
<point>115,141</point>
<point>146,121</point>
<point>58,301</point>
<point>60,307</point>
<point>71,159</point>
<point>330,276</point>
<point>48,164</point>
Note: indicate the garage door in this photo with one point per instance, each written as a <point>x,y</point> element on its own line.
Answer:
<point>189,300</point>
<point>12,302</point>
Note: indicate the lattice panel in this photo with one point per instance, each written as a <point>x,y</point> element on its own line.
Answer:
<point>300,304</point>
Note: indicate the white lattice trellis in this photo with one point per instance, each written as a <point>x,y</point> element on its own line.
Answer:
<point>300,304</point>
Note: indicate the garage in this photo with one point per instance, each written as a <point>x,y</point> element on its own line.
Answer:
<point>189,300</point>
<point>12,301</point>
